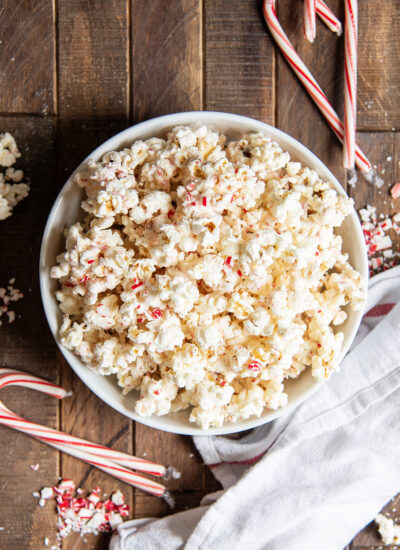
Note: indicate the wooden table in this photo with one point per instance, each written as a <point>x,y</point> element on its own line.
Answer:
<point>73,73</point>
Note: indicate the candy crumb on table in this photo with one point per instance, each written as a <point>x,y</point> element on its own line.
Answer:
<point>83,515</point>
<point>9,294</point>
<point>382,251</point>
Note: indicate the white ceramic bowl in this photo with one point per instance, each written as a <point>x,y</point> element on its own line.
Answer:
<point>66,211</point>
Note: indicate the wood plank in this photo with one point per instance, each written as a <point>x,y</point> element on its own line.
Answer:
<point>378,65</point>
<point>296,113</point>
<point>171,449</point>
<point>397,163</point>
<point>93,90</point>
<point>239,65</point>
<point>166,77</point>
<point>166,57</point>
<point>27,343</point>
<point>93,77</point>
<point>380,149</point>
<point>27,56</point>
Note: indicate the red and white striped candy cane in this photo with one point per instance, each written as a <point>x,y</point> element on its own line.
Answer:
<point>350,84</point>
<point>10,419</point>
<point>328,17</point>
<point>310,19</point>
<point>108,460</point>
<point>313,88</point>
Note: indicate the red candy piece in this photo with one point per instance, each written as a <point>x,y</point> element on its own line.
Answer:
<point>254,366</point>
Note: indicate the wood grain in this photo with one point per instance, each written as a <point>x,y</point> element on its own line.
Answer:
<point>27,48</point>
<point>378,65</point>
<point>93,81</point>
<point>296,113</point>
<point>239,60</point>
<point>147,506</point>
<point>166,57</point>
<point>27,343</point>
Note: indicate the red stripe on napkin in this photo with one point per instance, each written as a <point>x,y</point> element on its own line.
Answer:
<point>380,310</point>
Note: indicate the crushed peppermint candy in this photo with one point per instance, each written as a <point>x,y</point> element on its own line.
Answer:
<point>34,467</point>
<point>83,515</point>
<point>379,232</point>
<point>7,295</point>
<point>12,191</point>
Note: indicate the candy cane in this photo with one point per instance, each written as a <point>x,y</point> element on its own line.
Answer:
<point>108,460</point>
<point>14,377</point>
<point>314,89</point>
<point>328,17</point>
<point>350,84</point>
<point>310,20</point>
<point>11,420</point>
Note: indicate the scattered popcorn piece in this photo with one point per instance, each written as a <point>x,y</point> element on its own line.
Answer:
<point>8,295</point>
<point>34,467</point>
<point>46,541</point>
<point>11,190</point>
<point>207,274</point>
<point>388,530</point>
<point>83,515</point>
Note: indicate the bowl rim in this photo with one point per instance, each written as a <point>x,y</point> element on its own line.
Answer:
<point>174,119</point>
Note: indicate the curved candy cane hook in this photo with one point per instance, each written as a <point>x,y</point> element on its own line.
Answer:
<point>313,88</point>
<point>112,462</point>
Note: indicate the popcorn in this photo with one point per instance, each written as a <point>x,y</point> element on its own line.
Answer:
<point>206,274</point>
<point>12,191</point>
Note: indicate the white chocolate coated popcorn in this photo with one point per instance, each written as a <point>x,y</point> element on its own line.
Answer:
<point>207,274</point>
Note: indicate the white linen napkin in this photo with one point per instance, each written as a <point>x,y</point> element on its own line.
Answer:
<point>320,474</point>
